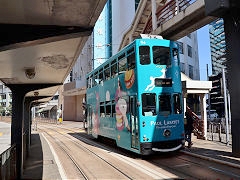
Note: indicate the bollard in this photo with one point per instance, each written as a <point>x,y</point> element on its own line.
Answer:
<point>211,129</point>
<point>219,132</point>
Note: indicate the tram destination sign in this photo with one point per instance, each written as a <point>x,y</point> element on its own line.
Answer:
<point>163,82</point>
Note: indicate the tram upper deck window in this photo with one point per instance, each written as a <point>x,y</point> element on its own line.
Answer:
<point>122,65</point>
<point>161,55</point>
<point>114,69</point>
<point>144,55</point>
<point>131,61</point>
<point>106,72</point>
<point>95,79</point>
<point>164,105</point>
<point>89,82</point>
<point>100,76</point>
<point>148,104</point>
<point>175,55</point>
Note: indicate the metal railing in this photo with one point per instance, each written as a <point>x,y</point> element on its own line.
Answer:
<point>167,12</point>
<point>8,164</point>
<point>217,130</point>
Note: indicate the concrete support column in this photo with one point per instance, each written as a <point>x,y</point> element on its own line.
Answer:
<point>154,17</point>
<point>232,34</point>
<point>27,124</point>
<point>203,105</point>
<point>17,127</point>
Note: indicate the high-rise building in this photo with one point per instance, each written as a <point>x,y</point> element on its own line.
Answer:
<point>218,58</point>
<point>218,46</point>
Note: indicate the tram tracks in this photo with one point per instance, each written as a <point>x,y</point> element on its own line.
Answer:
<point>85,151</point>
<point>82,168</point>
<point>115,160</point>
<point>122,166</point>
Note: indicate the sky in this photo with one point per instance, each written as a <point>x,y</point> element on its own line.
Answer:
<point>204,52</point>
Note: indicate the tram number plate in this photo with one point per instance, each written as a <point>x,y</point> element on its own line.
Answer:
<point>159,82</point>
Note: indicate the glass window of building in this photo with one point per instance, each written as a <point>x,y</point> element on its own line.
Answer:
<point>189,48</point>
<point>191,71</point>
<point>182,67</point>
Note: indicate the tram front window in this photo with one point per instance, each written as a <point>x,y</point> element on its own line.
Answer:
<point>148,104</point>
<point>164,105</point>
<point>161,55</point>
<point>144,53</point>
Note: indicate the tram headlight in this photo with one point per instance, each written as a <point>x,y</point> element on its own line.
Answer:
<point>167,133</point>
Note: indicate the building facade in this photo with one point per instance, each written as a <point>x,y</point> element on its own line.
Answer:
<point>5,100</point>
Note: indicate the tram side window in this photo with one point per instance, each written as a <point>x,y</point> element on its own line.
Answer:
<point>106,72</point>
<point>95,79</point>
<point>108,110</point>
<point>164,105</point>
<point>102,109</point>
<point>100,76</point>
<point>177,104</point>
<point>148,104</point>
<point>144,53</point>
<point>90,82</point>
<point>122,65</point>
<point>175,53</point>
<point>113,110</point>
<point>131,61</point>
<point>114,69</point>
<point>161,55</point>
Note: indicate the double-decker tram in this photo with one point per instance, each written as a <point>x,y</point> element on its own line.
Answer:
<point>135,98</point>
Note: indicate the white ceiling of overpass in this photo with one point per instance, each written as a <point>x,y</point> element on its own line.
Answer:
<point>51,57</point>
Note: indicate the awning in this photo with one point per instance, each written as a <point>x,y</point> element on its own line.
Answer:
<point>47,108</point>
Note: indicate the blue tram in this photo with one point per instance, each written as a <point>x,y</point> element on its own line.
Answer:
<point>135,98</point>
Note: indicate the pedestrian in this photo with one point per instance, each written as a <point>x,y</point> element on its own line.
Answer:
<point>59,116</point>
<point>188,126</point>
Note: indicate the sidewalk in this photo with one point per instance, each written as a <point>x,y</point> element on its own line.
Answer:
<point>41,163</point>
<point>213,151</point>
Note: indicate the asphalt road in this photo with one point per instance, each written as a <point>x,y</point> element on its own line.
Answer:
<point>5,136</point>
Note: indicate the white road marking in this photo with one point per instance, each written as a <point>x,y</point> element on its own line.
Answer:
<point>59,165</point>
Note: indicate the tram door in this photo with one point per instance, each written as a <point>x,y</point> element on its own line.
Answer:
<point>89,119</point>
<point>134,121</point>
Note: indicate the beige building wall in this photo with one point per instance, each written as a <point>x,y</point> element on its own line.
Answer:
<point>73,110</point>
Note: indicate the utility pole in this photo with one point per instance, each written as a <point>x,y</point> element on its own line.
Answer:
<point>225,104</point>
<point>209,100</point>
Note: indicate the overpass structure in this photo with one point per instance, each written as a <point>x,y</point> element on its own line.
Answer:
<point>174,19</point>
<point>39,44</point>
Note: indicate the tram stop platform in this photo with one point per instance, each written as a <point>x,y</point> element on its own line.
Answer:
<point>41,163</point>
